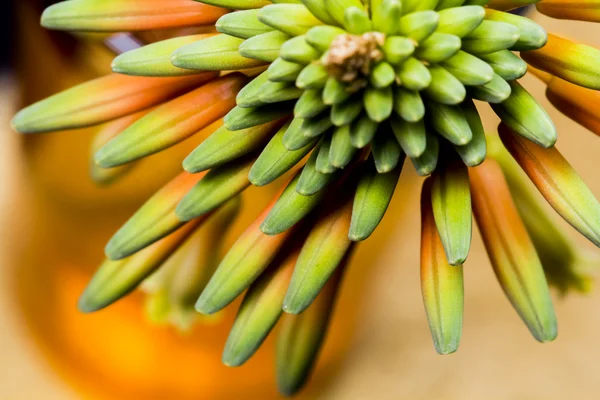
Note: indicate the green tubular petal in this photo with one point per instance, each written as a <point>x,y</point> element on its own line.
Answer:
<point>275,160</point>
<point>274,92</point>
<point>153,221</point>
<point>320,37</point>
<point>495,91</point>
<point>411,136</point>
<point>216,53</point>
<point>373,195</point>
<point>531,35</point>
<point>506,64</point>
<point>300,340</point>
<point>418,25</point>
<point>438,47</point>
<point>249,95</point>
<point>524,115</point>
<point>283,71</point>
<point>238,4</point>
<point>259,312</point>
<point>294,138</point>
<point>451,203</point>
<point>314,127</point>
<point>441,284</point>
<point>224,146</point>
<point>299,51</point>
<point>312,181</point>
<point>115,279</point>
<point>293,19</point>
<point>378,103</point>
<point>397,49</point>
<point>218,186</point>
<point>408,104</point>
<point>334,92</point>
<point>323,165</point>
<point>362,131</point>
<point>450,122</point>
<point>264,47</point>
<point>313,76</point>
<point>426,163</point>
<point>382,75</point>
<point>468,69</point>
<point>474,152</point>
<point>310,104</point>
<point>344,113</point>
<point>319,9</point>
<point>242,24</point>
<point>291,207</point>
<point>249,256</point>
<point>460,21</point>
<point>490,36</point>
<point>336,8</point>
<point>385,16</point>
<point>386,151</point>
<point>242,118</point>
<point>414,75</point>
<point>154,59</point>
<point>341,150</point>
<point>444,88</point>
<point>323,251</point>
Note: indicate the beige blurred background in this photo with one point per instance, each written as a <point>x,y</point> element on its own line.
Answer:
<point>392,356</point>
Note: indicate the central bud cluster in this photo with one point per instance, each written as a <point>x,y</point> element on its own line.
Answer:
<point>351,56</point>
<point>397,75</point>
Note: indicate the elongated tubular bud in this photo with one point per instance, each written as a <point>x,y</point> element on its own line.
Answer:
<point>216,53</point>
<point>215,188</point>
<point>441,283</point>
<point>115,279</point>
<point>301,336</point>
<point>259,311</point>
<point>172,122</point>
<point>155,59</point>
<point>322,252</point>
<point>128,15</point>
<point>511,251</point>
<point>571,108</point>
<point>154,220</point>
<point>244,262</point>
<point>242,24</point>
<point>371,200</point>
<point>580,10</point>
<point>101,100</point>
<point>570,61</point>
<point>523,114</point>
<point>451,203</point>
<point>558,182</point>
<point>224,146</point>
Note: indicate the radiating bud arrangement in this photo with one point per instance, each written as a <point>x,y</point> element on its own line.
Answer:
<point>336,94</point>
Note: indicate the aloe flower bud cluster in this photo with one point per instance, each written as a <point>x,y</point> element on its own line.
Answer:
<point>338,93</point>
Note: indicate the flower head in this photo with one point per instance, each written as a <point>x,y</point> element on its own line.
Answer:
<point>339,92</point>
